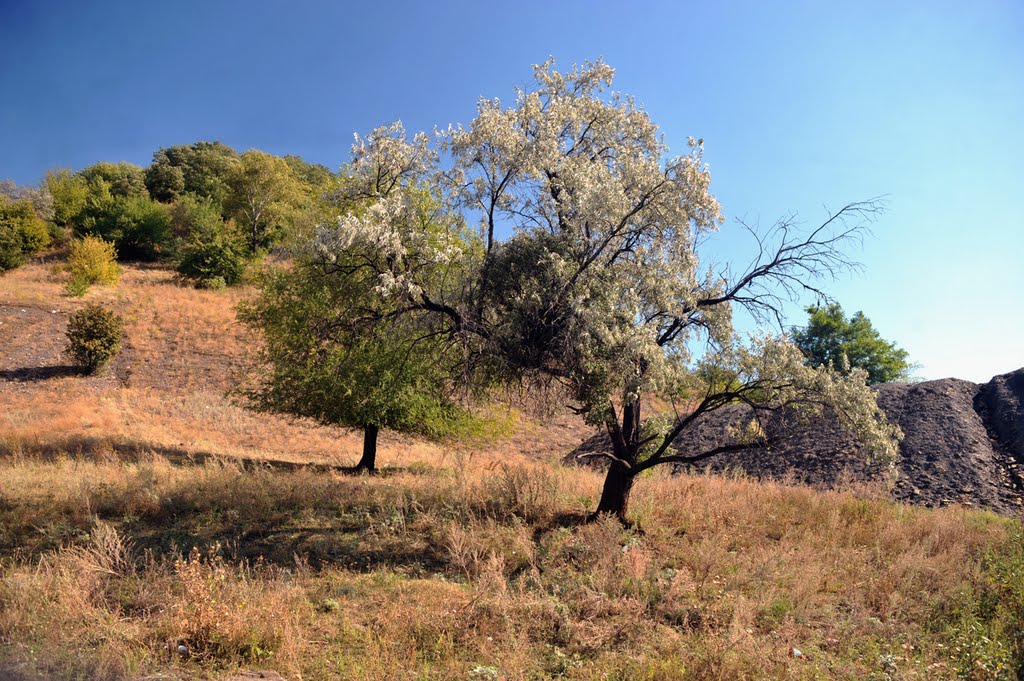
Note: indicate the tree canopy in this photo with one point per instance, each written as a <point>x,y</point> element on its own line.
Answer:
<point>201,168</point>
<point>263,196</point>
<point>124,180</point>
<point>832,339</point>
<point>69,191</point>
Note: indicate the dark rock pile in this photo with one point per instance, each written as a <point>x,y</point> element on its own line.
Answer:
<point>963,443</point>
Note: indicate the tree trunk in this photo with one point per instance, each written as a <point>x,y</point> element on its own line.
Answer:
<point>368,462</point>
<point>615,495</point>
<point>254,237</point>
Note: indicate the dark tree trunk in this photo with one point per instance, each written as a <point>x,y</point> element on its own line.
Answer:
<point>368,462</point>
<point>615,495</point>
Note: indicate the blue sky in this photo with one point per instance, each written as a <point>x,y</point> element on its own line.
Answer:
<point>803,106</point>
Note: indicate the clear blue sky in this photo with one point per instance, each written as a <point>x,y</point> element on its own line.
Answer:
<point>801,104</point>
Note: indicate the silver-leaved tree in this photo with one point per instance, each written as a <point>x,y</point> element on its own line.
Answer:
<point>587,271</point>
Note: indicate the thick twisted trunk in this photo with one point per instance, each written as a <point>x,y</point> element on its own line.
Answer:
<point>615,494</point>
<point>625,436</point>
<point>368,462</point>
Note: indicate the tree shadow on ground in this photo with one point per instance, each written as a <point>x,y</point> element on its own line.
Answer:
<point>271,516</point>
<point>319,547</point>
<point>32,374</point>
<point>134,452</point>
<point>560,521</point>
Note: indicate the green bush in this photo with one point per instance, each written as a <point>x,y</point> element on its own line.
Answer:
<point>69,192</point>
<point>94,336</point>
<point>194,218</point>
<point>22,233</point>
<point>138,226</point>
<point>215,264</point>
<point>214,256</point>
<point>91,261</point>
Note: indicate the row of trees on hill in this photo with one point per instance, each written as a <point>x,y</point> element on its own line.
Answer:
<point>553,243</point>
<point>203,206</point>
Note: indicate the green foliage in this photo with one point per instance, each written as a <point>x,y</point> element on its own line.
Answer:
<point>201,169</point>
<point>164,180</point>
<point>139,227</point>
<point>314,176</point>
<point>327,358</point>
<point>987,623</point>
<point>213,255</point>
<point>264,198</point>
<point>69,192</point>
<point>22,232</point>
<point>94,336</point>
<point>91,261</point>
<point>213,264</point>
<point>123,179</point>
<point>195,218</point>
<point>830,339</point>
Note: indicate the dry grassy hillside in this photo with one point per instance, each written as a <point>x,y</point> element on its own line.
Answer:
<point>167,391</point>
<point>139,538</point>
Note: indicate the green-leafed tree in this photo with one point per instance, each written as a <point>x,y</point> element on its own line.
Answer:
<point>324,362</point>
<point>164,180</point>
<point>69,192</point>
<point>194,218</point>
<point>336,350</point>
<point>264,197</point>
<point>832,339</point>
<point>139,227</point>
<point>22,232</point>
<point>212,252</point>
<point>125,180</point>
<point>201,168</point>
<point>314,177</point>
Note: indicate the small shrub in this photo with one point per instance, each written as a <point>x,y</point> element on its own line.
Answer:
<point>94,336</point>
<point>91,261</point>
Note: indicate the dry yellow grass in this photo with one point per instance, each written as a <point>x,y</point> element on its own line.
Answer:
<point>184,352</point>
<point>433,572</point>
<point>129,527</point>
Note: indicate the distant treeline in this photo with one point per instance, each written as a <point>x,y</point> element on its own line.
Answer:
<point>204,206</point>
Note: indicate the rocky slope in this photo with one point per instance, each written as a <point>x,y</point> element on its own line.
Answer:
<point>964,443</point>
